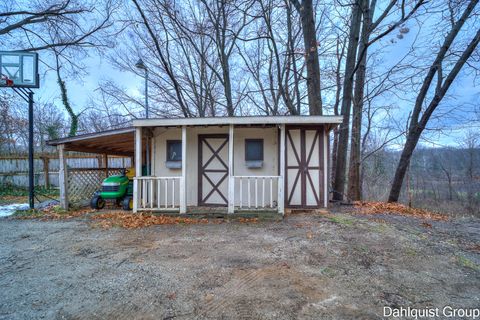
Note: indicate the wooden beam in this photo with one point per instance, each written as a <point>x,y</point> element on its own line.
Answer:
<point>63,177</point>
<point>231,181</point>
<point>79,148</point>
<point>183,181</point>
<point>281,179</point>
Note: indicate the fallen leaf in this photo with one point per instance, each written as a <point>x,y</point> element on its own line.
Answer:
<point>398,209</point>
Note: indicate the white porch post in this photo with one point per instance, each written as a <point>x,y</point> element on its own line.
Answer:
<point>231,181</point>
<point>138,166</point>
<point>281,189</point>
<point>63,177</point>
<point>325,167</point>
<point>183,181</point>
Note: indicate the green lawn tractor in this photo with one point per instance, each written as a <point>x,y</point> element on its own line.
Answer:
<point>118,188</point>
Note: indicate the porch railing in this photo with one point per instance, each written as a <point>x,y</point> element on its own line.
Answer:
<point>256,192</point>
<point>157,193</point>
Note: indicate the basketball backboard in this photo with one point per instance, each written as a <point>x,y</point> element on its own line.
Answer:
<point>19,69</point>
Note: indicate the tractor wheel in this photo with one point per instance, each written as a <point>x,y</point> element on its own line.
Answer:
<point>97,202</point>
<point>128,203</point>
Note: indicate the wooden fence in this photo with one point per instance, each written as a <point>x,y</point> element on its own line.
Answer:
<point>14,168</point>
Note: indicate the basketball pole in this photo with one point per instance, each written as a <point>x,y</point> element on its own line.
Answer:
<point>31,191</point>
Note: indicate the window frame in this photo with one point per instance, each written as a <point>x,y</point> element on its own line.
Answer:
<point>247,141</point>
<point>169,143</point>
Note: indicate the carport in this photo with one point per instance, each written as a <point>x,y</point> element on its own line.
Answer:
<point>80,183</point>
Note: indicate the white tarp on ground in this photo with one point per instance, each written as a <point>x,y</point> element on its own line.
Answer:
<point>10,209</point>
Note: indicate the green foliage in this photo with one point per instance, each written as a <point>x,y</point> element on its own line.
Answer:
<point>467,263</point>
<point>68,107</point>
<point>342,220</point>
<point>53,131</point>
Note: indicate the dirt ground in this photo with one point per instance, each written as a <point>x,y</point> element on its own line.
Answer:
<point>308,266</point>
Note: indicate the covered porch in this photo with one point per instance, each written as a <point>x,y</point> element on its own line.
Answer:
<point>79,183</point>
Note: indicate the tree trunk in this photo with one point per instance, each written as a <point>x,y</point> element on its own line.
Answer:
<point>341,159</point>
<point>338,82</point>
<point>228,87</point>
<point>354,182</point>
<point>311,55</point>
<point>403,163</point>
<point>291,48</point>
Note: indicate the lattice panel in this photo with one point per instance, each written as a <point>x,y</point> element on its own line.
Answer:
<point>82,184</point>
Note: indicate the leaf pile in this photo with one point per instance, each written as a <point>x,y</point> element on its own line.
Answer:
<point>140,220</point>
<point>399,209</point>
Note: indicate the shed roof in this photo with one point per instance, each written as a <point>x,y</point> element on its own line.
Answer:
<point>256,120</point>
<point>121,141</point>
<point>113,142</point>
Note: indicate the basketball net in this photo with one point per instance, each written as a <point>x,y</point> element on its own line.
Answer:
<point>8,82</point>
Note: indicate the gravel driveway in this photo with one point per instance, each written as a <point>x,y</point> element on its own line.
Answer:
<point>308,266</point>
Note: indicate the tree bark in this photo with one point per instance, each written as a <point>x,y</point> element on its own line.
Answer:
<point>311,55</point>
<point>343,131</point>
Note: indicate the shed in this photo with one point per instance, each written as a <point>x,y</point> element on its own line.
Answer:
<point>236,164</point>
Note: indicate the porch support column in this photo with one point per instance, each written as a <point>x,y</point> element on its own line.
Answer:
<point>183,181</point>
<point>231,181</point>
<point>326,177</point>
<point>138,166</point>
<point>281,179</point>
<point>63,177</point>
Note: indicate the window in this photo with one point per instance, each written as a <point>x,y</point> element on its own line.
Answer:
<point>253,149</point>
<point>174,150</point>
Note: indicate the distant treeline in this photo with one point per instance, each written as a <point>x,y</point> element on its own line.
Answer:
<point>439,178</point>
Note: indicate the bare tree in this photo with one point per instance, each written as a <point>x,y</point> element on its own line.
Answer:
<point>163,59</point>
<point>423,108</point>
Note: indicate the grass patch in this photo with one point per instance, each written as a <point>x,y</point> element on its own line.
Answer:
<point>411,252</point>
<point>328,272</point>
<point>363,248</point>
<point>341,220</point>
<point>379,227</point>
<point>32,213</point>
<point>467,263</point>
